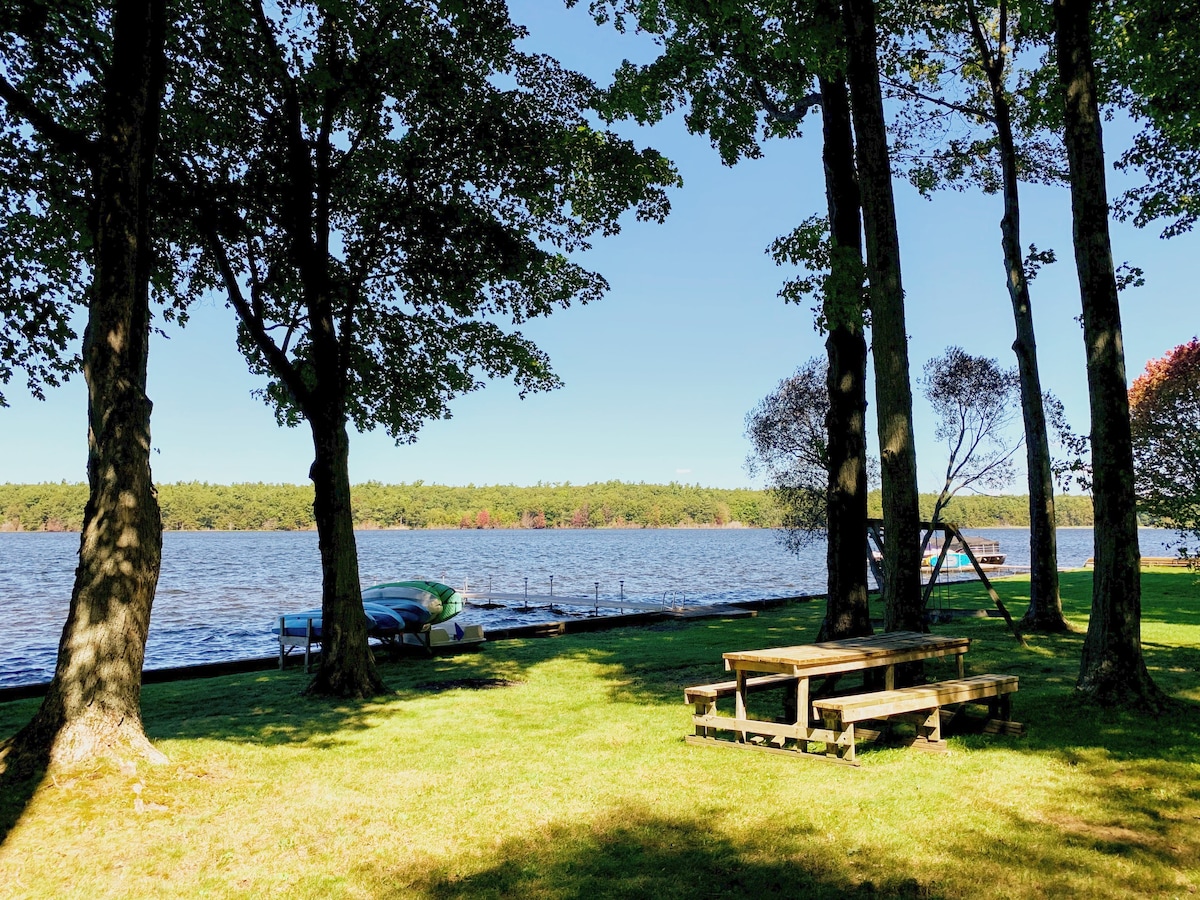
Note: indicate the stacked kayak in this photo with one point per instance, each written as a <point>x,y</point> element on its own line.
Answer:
<point>420,603</point>
<point>390,609</point>
<point>382,622</point>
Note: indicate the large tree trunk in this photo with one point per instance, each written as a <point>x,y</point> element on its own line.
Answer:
<point>893,390</point>
<point>1045,606</point>
<point>1112,669</point>
<point>347,667</point>
<point>846,611</point>
<point>92,706</point>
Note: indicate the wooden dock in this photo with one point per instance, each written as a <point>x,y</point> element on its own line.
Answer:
<point>1150,562</point>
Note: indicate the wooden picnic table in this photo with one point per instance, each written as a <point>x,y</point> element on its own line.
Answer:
<point>795,667</point>
<point>808,661</point>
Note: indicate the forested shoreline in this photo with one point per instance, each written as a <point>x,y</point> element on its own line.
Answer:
<point>198,506</point>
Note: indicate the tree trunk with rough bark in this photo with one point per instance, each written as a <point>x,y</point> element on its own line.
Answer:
<point>1045,605</point>
<point>93,704</point>
<point>1112,670</point>
<point>846,611</point>
<point>347,667</point>
<point>889,338</point>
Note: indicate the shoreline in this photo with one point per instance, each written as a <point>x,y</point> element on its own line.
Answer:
<point>730,526</point>
<point>733,609</point>
<point>367,529</point>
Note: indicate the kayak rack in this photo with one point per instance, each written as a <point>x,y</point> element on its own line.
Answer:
<point>430,638</point>
<point>288,642</point>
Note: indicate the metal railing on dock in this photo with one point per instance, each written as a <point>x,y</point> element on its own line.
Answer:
<point>671,599</point>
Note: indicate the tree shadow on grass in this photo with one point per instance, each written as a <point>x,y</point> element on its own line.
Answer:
<point>664,858</point>
<point>1177,598</point>
<point>676,857</point>
<point>1139,812</point>
<point>268,708</point>
<point>16,792</point>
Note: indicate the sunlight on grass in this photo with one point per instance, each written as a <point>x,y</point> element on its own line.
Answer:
<point>556,768</point>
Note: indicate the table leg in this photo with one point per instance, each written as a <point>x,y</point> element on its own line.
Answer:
<point>958,663</point>
<point>803,714</point>
<point>739,701</point>
<point>889,678</point>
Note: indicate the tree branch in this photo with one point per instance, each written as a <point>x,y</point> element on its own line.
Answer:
<point>65,139</point>
<point>792,116</point>
<point>938,101</point>
<point>204,212</point>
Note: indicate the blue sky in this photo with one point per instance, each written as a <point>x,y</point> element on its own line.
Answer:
<point>660,374</point>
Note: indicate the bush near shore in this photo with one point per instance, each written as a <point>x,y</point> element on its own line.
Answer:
<point>612,504</point>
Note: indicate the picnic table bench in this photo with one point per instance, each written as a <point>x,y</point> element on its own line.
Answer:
<point>829,722</point>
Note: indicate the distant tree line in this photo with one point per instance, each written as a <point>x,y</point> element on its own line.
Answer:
<point>198,506</point>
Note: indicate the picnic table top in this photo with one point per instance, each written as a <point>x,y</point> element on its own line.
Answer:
<point>847,655</point>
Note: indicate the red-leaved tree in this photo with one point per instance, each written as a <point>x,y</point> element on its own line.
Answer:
<point>1164,407</point>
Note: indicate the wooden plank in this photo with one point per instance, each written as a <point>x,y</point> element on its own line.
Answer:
<point>739,700</point>
<point>729,688</point>
<point>797,732</point>
<point>881,704</point>
<point>764,748</point>
<point>1150,561</point>
<point>848,655</point>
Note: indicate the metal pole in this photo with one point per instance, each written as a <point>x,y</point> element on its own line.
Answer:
<point>551,587</point>
<point>527,592</point>
<point>597,608</point>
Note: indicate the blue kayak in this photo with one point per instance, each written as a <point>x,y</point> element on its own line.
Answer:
<point>391,609</point>
<point>382,622</point>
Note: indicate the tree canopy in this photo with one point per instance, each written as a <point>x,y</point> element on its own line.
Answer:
<point>1164,403</point>
<point>445,176</point>
<point>975,402</point>
<point>1151,54</point>
<point>383,191</point>
<point>789,448</point>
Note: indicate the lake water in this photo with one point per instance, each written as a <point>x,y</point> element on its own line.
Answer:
<point>220,592</point>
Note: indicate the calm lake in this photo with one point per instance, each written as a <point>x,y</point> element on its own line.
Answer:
<point>220,592</point>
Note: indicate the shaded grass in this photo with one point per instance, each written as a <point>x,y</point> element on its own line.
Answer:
<point>556,768</point>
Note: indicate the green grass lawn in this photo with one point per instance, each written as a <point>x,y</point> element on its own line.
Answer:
<point>557,768</point>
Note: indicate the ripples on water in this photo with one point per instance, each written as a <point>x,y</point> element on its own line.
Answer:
<point>220,592</point>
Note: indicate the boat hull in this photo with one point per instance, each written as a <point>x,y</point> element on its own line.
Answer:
<point>382,622</point>
<point>420,602</point>
<point>391,609</point>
